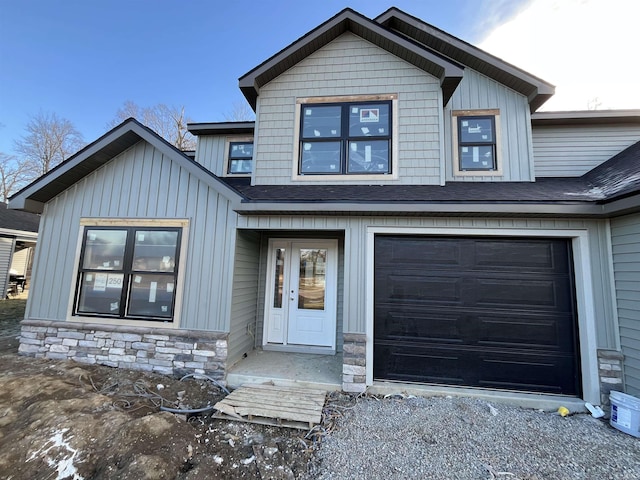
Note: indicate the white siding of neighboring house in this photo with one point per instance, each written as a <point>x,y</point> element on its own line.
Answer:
<point>571,151</point>
<point>625,239</point>
<point>477,92</point>
<point>21,260</point>
<point>140,183</point>
<point>7,245</point>
<point>350,65</point>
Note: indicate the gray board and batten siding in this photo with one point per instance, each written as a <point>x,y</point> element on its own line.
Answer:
<point>625,239</point>
<point>141,182</point>
<point>356,254</point>
<point>347,66</point>
<point>478,92</point>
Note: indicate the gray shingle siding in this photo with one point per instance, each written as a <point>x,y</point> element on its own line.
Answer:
<point>351,66</point>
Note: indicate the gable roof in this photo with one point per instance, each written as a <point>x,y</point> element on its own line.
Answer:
<point>18,221</point>
<point>33,197</point>
<point>535,89</point>
<point>447,70</point>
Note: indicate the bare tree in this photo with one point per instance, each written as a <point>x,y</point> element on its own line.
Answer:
<point>240,112</point>
<point>13,175</point>
<point>49,141</point>
<point>168,122</point>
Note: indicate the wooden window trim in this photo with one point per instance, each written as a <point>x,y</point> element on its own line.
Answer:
<point>227,163</point>
<point>457,170</point>
<point>347,177</point>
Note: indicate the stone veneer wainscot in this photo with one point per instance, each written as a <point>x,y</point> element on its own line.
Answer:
<point>161,350</point>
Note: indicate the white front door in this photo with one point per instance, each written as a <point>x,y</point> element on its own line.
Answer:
<point>300,304</point>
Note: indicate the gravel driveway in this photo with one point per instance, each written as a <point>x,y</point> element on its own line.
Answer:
<point>463,438</point>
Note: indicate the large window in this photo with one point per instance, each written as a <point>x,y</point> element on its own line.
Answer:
<point>128,272</point>
<point>345,138</point>
<point>477,142</point>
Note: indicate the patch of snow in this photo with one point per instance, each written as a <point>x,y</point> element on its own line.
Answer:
<point>64,466</point>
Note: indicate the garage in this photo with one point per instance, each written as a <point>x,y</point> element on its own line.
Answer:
<point>489,312</point>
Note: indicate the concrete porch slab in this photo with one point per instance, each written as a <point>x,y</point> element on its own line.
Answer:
<point>323,372</point>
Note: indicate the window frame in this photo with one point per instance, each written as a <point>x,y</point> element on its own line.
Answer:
<point>457,116</point>
<point>344,138</point>
<point>129,273</point>
<point>229,141</point>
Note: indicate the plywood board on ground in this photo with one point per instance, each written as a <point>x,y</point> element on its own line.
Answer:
<point>273,405</point>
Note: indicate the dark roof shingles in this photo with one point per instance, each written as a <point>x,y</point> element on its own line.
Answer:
<point>18,220</point>
<point>619,176</point>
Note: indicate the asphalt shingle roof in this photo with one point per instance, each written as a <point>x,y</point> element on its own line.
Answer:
<point>617,177</point>
<point>18,220</point>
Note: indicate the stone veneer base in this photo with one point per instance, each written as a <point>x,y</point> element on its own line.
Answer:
<point>354,363</point>
<point>610,373</point>
<point>162,350</point>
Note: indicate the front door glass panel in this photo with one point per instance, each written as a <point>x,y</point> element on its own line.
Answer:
<point>279,278</point>
<point>311,283</point>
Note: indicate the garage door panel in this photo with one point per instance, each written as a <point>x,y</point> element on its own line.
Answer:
<point>469,367</point>
<point>419,325</point>
<point>535,373</point>
<point>509,329</point>
<point>535,332</point>
<point>400,288</point>
<point>405,251</point>
<point>411,364</point>
<point>501,255</point>
<point>519,293</point>
<point>487,312</point>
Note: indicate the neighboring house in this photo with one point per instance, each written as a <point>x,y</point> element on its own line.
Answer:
<point>18,237</point>
<point>397,203</point>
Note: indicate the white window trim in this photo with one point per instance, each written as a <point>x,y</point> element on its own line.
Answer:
<point>393,97</point>
<point>132,222</point>
<point>585,308</point>
<point>454,135</point>
<point>227,143</point>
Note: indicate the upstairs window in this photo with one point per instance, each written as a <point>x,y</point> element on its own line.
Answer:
<point>347,138</point>
<point>240,158</point>
<point>128,272</point>
<point>476,142</point>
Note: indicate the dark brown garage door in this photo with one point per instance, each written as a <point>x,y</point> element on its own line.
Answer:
<point>481,312</point>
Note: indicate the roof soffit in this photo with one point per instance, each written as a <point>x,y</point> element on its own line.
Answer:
<point>446,70</point>
<point>535,89</point>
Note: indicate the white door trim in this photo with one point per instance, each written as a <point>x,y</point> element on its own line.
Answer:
<point>278,320</point>
<point>583,284</point>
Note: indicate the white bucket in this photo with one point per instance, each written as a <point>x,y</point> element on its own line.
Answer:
<point>625,413</point>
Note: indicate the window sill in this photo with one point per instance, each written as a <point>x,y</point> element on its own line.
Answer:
<point>170,324</point>
<point>379,177</point>
<point>478,173</point>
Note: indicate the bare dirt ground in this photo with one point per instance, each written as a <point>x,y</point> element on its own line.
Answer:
<point>62,420</point>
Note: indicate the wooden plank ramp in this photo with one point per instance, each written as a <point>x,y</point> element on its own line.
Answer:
<point>273,405</point>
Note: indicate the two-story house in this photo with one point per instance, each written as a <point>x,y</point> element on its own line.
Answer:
<point>397,213</point>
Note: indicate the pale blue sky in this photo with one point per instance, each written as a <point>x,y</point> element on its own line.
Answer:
<point>82,59</point>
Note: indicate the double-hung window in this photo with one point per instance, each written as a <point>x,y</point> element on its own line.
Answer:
<point>128,272</point>
<point>347,138</point>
